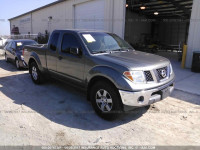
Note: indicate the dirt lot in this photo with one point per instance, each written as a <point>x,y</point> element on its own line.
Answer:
<point>56,114</point>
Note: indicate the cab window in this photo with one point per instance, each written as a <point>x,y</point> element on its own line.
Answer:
<point>13,45</point>
<point>69,41</point>
<point>54,41</point>
<point>8,46</point>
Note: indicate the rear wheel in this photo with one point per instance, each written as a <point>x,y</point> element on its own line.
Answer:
<point>106,100</point>
<point>6,58</point>
<point>17,64</point>
<point>35,73</point>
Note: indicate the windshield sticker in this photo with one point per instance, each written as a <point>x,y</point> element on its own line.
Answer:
<point>19,43</point>
<point>89,38</point>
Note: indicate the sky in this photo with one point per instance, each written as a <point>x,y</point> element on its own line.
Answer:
<point>12,8</point>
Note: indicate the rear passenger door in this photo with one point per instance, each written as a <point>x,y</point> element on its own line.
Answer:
<point>71,65</point>
<point>52,52</point>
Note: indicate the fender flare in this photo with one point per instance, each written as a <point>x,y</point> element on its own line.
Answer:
<point>111,74</point>
<point>35,57</point>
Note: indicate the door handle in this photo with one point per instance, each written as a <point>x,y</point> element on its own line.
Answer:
<point>60,57</point>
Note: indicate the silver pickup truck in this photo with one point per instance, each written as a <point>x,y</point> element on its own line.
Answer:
<point>114,75</point>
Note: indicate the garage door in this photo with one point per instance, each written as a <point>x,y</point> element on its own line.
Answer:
<point>90,15</point>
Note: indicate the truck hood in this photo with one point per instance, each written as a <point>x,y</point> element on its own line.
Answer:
<point>135,60</point>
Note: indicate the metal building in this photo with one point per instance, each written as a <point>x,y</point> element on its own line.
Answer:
<point>108,15</point>
<point>130,19</point>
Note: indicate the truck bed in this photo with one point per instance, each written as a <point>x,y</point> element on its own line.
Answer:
<point>36,50</point>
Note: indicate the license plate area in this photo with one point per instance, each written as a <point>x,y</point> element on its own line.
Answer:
<point>165,93</point>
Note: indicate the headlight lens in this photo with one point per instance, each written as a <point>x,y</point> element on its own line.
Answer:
<point>135,76</point>
<point>171,69</point>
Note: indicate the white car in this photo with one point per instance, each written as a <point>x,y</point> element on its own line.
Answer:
<point>3,42</point>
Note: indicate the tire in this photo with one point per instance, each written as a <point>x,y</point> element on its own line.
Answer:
<point>17,64</point>
<point>6,58</point>
<point>35,73</point>
<point>147,107</point>
<point>154,50</point>
<point>106,101</point>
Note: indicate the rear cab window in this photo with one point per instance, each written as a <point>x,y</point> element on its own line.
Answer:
<point>53,45</point>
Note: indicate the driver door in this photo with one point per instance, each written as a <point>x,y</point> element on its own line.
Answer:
<point>71,65</point>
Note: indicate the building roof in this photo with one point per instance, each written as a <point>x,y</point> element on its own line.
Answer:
<point>48,5</point>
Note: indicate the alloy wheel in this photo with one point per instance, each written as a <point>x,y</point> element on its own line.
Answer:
<point>17,64</point>
<point>104,101</point>
<point>34,73</point>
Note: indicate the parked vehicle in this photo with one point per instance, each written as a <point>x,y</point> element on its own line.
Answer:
<point>13,52</point>
<point>6,41</point>
<point>3,42</point>
<point>114,75</point>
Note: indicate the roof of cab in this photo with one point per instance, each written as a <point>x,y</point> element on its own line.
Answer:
<point>81,30</point>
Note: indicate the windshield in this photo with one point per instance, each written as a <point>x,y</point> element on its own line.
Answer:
<point>20,45</point>
<point>104,42</point>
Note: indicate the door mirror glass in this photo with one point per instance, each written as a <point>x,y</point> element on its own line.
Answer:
<point>74,51</point>
<point>71,45</point>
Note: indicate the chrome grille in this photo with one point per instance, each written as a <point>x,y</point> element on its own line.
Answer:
<point>148,75</point>
<point>162,73</point>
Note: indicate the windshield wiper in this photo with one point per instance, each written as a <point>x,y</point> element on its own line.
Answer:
<point>120,50</point>
<point>99,52</point>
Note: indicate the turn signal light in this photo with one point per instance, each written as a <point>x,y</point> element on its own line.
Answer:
<point>128,75</point>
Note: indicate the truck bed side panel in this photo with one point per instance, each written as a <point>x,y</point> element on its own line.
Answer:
<point>38,53</point>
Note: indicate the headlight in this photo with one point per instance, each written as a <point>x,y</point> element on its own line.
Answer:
<point>135,76</point>
<point>171,69</point>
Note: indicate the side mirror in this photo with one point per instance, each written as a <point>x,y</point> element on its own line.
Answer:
<point>75,51</point>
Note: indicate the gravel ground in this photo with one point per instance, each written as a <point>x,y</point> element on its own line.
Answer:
<point>56,114</point>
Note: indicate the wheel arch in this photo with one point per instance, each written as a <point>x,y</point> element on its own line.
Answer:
<point>37,61</point>
<point>96,79</point>
<point>31,60</point>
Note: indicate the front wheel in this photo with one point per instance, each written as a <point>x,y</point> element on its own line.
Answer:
<point>106,101</point>
<point>35,73</point>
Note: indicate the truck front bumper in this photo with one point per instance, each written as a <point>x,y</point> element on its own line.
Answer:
<point>146,97</point>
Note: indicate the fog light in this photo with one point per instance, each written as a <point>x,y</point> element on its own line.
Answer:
<point>141,99</point>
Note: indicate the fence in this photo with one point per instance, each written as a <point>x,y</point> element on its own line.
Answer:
<point>40,38</point>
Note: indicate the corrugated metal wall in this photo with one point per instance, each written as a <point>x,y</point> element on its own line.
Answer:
<point>24,24</point>
<point>63,17</point>
<point>194,33</point>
